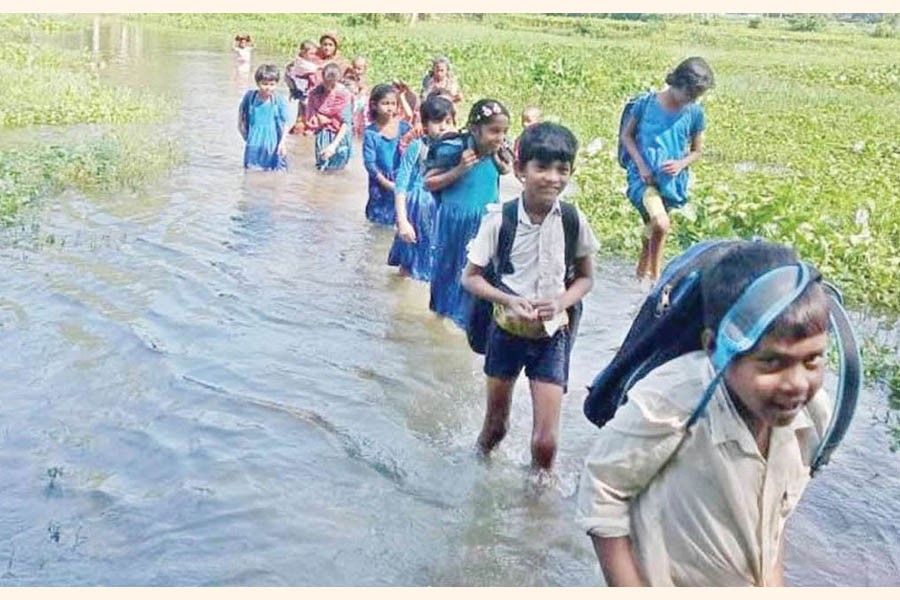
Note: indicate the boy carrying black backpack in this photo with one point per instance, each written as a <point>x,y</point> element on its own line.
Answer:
<point>533,261</point>
<point>713,418</point>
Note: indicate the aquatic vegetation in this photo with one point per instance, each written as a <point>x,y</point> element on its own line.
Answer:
<point>104,163</point>
<point>60,87</point>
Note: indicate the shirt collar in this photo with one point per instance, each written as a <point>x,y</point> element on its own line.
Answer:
<point>525,219</point>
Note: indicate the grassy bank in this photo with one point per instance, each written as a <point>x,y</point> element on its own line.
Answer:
<point>54,87</point>
<point>102,163</point>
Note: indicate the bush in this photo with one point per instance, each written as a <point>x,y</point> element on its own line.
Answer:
<point>809,23</point>
<point>756,22</point>
<point>885,30</point>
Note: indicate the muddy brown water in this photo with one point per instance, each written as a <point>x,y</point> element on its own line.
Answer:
<point>218,381</point>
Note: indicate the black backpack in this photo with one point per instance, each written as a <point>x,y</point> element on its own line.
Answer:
<point>635,107</point>
<point>481,311</point>
<point>669,324</point>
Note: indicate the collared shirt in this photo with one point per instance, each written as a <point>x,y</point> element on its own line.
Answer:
<point>538,254</point>
<point>702,508</point>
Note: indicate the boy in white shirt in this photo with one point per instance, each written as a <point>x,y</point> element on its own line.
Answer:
<point>531,327</point>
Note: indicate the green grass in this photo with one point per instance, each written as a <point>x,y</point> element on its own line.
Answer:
<point>101,163</point>
<point>54,87</point>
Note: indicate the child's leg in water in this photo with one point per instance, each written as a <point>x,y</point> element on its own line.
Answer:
<point>496,416</point>
<point>546,401</point>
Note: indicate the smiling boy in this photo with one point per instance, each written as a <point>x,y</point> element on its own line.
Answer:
<point>531,327</point>
<point>670,503</point>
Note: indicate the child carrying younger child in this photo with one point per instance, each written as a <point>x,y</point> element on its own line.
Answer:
<point>463,190</point>
<point>328,115</point>
<point>301,76</point>
<point>531,291</point>
<point>415,205</point>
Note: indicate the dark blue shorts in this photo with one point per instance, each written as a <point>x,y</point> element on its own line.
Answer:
<point>544,360</point>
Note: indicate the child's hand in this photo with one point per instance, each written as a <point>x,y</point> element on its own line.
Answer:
<point>467,160</point>
<point>547,309</point>
<point>406,232</point>
<point>672,167</point>
<point>328,151</point>
<point>522,308</point>
<point>646,175</point>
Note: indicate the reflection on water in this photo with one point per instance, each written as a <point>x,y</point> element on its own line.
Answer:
<point>220,382</point>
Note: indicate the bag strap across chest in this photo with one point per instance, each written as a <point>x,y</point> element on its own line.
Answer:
<point>507,236</point>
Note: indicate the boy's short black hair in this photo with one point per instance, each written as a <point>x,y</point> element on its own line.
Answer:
<point>547,142</point>
<point>723,282</point>
<point>267,73</point>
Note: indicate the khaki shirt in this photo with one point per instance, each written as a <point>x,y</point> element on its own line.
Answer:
<point>703,508</point>
<point>538,254</point>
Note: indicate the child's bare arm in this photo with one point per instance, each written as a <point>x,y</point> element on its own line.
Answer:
<point>630,142</point>
<point>438,179</point>
<point>616,556</point>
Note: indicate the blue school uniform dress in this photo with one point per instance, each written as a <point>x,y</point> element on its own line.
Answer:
<point>421,209</point>
<point>460,208</point>
<point>265,123</point>
<point>381,154</point>
<point>664,135</point>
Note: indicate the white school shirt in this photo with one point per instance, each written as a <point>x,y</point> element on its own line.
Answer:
<point>538,254</point>
<point>712,514</point>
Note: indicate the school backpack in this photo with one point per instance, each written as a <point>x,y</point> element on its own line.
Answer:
<point>445,153</point>
<point>670,323</point>
<point>635,107</point>
<point>481,311</point>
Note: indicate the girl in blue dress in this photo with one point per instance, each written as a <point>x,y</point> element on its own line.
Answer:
<point>462,193</point>
<point>381,152</point>
<point>415,206</point>
<point>261,120</point>
<point>663,136</point>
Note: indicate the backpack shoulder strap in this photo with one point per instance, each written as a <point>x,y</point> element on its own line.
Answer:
<point>571,230</point>
<point>507,235</point>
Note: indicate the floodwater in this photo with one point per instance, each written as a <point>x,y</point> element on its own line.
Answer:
<point>218,381</point>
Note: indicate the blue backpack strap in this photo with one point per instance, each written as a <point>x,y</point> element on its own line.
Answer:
<point>850,379</point>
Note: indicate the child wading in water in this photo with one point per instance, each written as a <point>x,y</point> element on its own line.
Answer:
<point>301,76</point>
<point>261,121</point>
<point>415,205</point>
<point>242,48</point>
<point>328,114</point>
<point>531,326</point>
<point>381,153</point>
<point>462,192</point>
<point>656,136</point>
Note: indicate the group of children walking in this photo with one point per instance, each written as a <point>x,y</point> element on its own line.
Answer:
<point>438,185</point>
<point>732,478</point>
